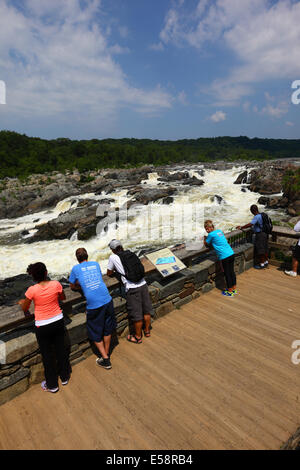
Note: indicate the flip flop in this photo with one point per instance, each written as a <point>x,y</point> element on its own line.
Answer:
<point>137,340</point>
<point>147,334</point>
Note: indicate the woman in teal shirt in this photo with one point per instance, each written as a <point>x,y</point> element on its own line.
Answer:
<point>225,254</point>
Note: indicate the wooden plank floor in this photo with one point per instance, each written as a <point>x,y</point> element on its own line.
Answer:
<point>216,374</point>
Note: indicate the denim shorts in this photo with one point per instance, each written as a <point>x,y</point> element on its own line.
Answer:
<point>100,322</point>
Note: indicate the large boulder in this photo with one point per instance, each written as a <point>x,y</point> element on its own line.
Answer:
<point>266,186</point>
<point>268,179</point>
<point>83,219</point>
<point>242,178</point>
<point>178,176</point>
<point>193,181</point>
<point>51,195</point>
<point>294,208</point>
<point>146,195</point>
<point>13,288</point>
<point>263,200</point>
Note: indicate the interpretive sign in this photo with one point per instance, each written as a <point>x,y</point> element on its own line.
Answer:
<point>165,262</point>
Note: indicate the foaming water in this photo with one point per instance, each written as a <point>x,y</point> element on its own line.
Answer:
<point>149,226</point>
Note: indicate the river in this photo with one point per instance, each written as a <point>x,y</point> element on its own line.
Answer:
<point>151,226</point>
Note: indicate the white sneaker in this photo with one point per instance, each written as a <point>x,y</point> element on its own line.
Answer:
<point>291,273</point>
<point>46,389</point>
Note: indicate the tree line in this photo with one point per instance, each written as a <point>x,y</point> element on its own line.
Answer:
<point>21,156</point>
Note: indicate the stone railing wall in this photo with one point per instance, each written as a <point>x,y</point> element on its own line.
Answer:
<point>23,365</point>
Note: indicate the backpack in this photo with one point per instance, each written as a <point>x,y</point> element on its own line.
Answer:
<point>134,270</point>
<point>267,225</point>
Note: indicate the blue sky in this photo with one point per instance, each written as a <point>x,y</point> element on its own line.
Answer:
<point>159,69</point>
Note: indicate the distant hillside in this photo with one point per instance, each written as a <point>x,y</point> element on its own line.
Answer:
<point>21,155</point>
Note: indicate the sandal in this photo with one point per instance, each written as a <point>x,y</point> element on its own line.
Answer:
<point>136,339</point>
<point>147,334</point>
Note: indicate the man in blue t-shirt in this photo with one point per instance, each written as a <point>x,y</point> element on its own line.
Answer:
<point>260,238</point>
<point>225,254</point>
<point>86,276</point>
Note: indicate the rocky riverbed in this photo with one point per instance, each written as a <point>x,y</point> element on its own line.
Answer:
<point>40,192</point>
<point>47,216</point>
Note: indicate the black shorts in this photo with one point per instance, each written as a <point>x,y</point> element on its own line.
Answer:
<point>100,322</point>
<point>296,252</point>
<point>138,303</point>
<point>261,243</point>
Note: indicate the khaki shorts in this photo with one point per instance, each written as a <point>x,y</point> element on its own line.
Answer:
<point>138,303</point>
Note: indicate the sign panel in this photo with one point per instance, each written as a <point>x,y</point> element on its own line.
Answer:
<point>165,262</point>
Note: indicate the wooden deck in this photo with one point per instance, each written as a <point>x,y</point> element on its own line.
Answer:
<point>216,374</point>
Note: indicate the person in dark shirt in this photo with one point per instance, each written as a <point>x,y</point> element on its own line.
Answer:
<point>260,238</point>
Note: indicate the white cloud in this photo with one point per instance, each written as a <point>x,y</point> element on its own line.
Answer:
<point>276,111</point>
<point>117,49</point>
<point>182,98</point>
<point>55,58</point>
<point>263,36</point>
<point>271,108</point>
<point>218,116</point>
<point>157,46</point>
<point>289,123</point>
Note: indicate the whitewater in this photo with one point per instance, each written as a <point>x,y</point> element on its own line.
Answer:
<point>152,226</point>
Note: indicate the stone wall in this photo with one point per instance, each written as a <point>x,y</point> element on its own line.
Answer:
<point>293,443</point>
<point>23,365</point>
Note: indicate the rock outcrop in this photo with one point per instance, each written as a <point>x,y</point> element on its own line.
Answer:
<point>82,219</point>
<point>144,196</point>
<point>242,178</point>
<point>41,192</point>
<point>12,288</point>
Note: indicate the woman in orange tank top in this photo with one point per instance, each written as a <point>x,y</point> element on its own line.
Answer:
<point>49,325</point>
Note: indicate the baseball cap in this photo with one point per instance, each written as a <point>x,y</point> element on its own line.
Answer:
<point>113,244</point>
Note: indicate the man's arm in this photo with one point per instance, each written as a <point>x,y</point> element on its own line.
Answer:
<point>76,286</point>
<point>110,268</point>
<point>244,226</point>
